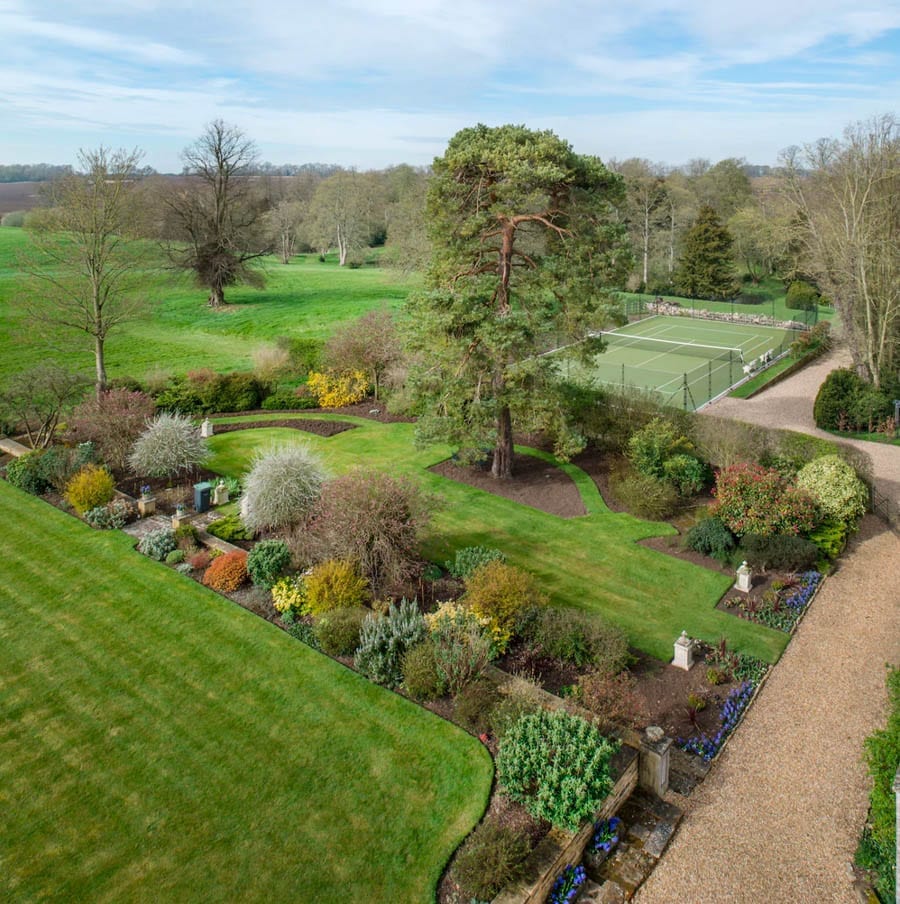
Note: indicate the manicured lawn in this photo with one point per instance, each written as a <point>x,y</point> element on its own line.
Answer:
<point>306,298</point>
<point>592,562</point>
<point>159,743</point>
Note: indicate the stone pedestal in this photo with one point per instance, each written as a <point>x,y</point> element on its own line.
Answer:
<point>684,652</point>
<point>146,506</point>
<point>206,428</point>
<point>178,519</point>
<point>654,761</point>
<point>220,495</point>
<point>744,578</point>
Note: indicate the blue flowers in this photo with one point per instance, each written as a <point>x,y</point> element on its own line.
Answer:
<point>735,704</point>
<point>565,888</point>
<point>606,834</point>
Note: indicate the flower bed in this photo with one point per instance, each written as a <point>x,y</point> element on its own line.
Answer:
<point>783,606</point>
<point>735,704</point>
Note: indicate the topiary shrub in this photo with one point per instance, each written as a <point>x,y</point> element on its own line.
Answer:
<point>91,487</point>
<point>384,639</point>
<point>281,487</point>
<point>710,537</point>
<point>580,639</point>
<point>474,705</point>
<point>175,557</point>
<point>420,674</point>
<point>645,497</point>
<point>171,444</point>
<point>833,483</point>
<point>836,397</point>
<point>751,499</point>
<point>157,544</point>
<point>338,630</point>
<point>227,573</point>
<point>112,516</point>
<point>462,648</point>
<point>289,595</point>
<point>557,766</point>
<point>499,593</point>
<point>490,858</point>
<point>26,474</point>
<point>335,584</point>
<point>229,528</point>
<point>267,562</point>
<point>470,558</point>
<point>288,401</point>
<point>779,552</point>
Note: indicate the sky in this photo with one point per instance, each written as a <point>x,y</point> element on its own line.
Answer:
<point>370,84</point>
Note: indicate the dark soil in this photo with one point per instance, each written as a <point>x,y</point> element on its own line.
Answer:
<point>663,690</point>
<point>536,484</point>
<point>319,428</point>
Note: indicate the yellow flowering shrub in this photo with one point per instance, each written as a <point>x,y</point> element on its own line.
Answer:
<point>335,584</point>
<point>289,594</point>
<point>338,390</point>
<point>91,487</point>
<point>500,593</point>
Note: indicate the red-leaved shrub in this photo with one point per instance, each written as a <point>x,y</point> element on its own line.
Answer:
<point>751,499</point>
<point>227,573</point>
<point>200,559</point>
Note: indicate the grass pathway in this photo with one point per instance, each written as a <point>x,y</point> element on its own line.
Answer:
<point>779,816</point>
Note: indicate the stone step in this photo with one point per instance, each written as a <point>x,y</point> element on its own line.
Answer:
<point>606,893</point>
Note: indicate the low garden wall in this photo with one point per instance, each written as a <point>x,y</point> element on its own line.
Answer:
<point>675,310</point>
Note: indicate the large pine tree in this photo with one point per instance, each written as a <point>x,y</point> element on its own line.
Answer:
<point>706,269</point>
<point>526,242</point>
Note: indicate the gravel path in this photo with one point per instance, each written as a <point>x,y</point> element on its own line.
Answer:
<point>779,815</point>
<point>789,404</point>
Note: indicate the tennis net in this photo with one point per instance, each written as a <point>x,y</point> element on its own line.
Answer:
<point>650,343</point>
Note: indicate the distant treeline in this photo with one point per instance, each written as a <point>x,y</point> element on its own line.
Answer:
<point>32,172</point>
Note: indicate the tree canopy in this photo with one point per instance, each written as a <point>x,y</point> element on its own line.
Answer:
<point>526,242</point>
<point>707,265</point>
<point>217,215</point>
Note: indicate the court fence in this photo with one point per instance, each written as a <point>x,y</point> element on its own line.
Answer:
<point>638,309</point>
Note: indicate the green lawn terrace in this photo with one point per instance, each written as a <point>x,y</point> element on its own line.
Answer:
<point>593,562</point>
<point>178,332</point>
<point>158,742</point>
<point>686,362</point>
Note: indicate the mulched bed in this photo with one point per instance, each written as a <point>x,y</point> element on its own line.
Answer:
<point>535,483</point>
<point>319,428</point>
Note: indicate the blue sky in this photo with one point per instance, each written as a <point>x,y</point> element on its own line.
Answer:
<point>369,84</point>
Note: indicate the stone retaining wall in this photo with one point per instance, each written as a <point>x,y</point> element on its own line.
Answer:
<point>674,310</point>
<point>560,849</point>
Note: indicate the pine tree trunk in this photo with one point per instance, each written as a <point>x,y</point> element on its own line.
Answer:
<point>503,450</point>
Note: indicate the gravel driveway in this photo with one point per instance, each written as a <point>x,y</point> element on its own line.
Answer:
<point>779,815</point>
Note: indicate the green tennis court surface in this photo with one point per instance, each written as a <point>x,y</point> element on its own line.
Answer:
<point>687,361</point>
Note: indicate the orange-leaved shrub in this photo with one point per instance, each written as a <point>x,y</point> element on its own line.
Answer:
<point>227,573</point>
<point>91,487</point>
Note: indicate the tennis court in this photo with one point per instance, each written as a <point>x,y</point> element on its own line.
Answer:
<point>687,361</point>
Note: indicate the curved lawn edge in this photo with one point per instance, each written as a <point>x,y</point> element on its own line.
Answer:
<point>587,489</point>
<point>238,745</point>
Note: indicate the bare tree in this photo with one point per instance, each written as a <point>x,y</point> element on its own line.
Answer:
<point>343,212</point>
<point>644,202</point>
<point>217,214</point>
<point>847,195</point>
<point>84,261</point>
<point>282,224</point>
<point>34,400</point>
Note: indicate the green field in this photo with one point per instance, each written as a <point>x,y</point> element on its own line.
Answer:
<point>686,362</point>
<point>180,332</point>
<point>592,563</point>
<point>159,743</point>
